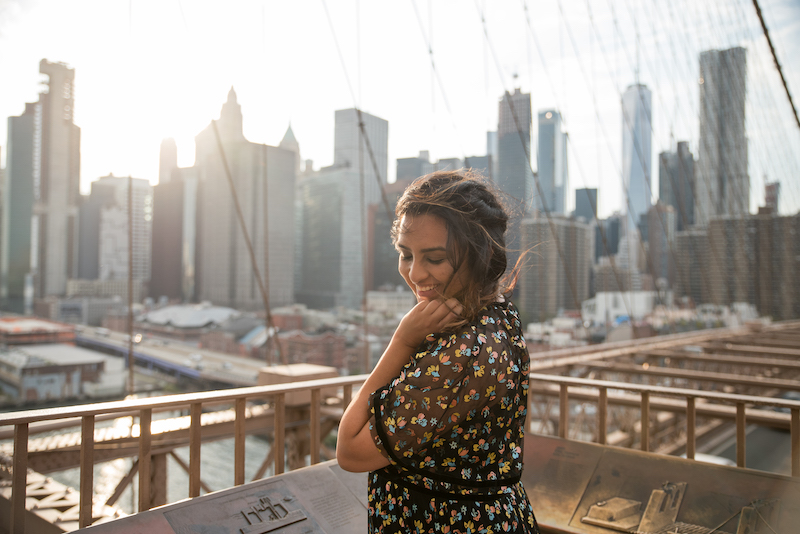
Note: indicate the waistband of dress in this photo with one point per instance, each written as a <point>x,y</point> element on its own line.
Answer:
<point>490,489</point>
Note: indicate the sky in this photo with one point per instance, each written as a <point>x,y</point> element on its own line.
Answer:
<point>436,70</point>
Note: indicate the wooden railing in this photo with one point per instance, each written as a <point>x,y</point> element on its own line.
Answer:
<point>194,403</point>
<point>741,402</point>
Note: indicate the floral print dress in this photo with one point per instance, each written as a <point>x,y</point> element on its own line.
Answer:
<point>452,426</point>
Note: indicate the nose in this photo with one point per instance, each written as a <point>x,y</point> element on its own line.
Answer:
<point>417,272</point>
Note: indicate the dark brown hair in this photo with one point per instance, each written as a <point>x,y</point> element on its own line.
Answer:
<point>476,223</point>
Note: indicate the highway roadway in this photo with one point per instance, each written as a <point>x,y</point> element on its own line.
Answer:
<point>175,357</point>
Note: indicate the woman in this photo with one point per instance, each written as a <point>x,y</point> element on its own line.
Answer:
<point>439,422</point>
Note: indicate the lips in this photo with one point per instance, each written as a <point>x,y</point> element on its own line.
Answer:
<point>427,292</point>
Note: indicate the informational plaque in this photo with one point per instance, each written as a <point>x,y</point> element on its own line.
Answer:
<point>585,488</point>
<point>321,498</point>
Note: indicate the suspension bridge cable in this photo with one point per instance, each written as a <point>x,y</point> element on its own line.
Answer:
<point>429,48</point>
<point>631,210</point>
<point>638,149</point>
<point>247,240</point>
<point>361,127</point>
<point>712,244</point>
<point>570,274</point>
<point>594,208</point>
<point>777,63</point>
<point>785,132</point>
<point>765,150</point>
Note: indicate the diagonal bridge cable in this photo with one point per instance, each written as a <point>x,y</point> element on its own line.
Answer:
<point>248,241</point>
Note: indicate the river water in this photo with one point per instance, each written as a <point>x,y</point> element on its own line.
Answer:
<point>216,470</point>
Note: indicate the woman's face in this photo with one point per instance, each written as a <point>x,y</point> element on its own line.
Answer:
<point>424,264</point>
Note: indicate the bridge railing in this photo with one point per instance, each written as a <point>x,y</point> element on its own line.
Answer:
<point>276,394</point>
<point>744,405</point>
<point>191,402</point>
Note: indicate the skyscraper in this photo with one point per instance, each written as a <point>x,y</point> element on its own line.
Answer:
<point>174,245</point>
<point>772,195</point>
<point>334,235</point>
<point>167,160</point>
<point>264,183</point>
<point>43,173</point>
<point>111,193</point>
<point>556,275</point>
<point>676,183</point>
<point>514,176</point>
<point>723,184</point>
<point>356,148</point>
<point>691,276</point>
<point>661,226</point>
<point>636,127</point>
<point>552,169</point>
<point>15,257</point>
<point>586,203</point>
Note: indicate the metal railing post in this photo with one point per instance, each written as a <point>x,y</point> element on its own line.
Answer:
<point>238,443</point>
<point>87,471</point>
<point>145,446</point>
<point>19,482</point>
<point>795,430</point>
<point>645,422</point>
<point>315,417</point>
<point>196,412</point>
<point>279,441</point>
<point>602,416</point>
<point>741,435</point>
<point>563,411</point>
<point>691,427</point>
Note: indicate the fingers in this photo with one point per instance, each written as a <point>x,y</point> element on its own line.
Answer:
<point>443,312</point>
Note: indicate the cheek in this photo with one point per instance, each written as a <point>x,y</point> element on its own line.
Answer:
<point>445,273</point>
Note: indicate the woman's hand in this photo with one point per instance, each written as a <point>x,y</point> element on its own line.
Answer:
<point>355,448</point>
<point>427,317</point>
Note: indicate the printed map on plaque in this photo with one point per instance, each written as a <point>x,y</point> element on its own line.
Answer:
<point>270,509</point>
<point>320,499</point>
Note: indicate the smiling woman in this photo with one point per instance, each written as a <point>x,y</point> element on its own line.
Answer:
<point>440,420</point>
<point>422,243</point>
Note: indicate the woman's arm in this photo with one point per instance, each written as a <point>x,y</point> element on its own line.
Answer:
<point>355,448</point>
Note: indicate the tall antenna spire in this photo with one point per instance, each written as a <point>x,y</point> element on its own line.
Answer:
<point>636,31</point>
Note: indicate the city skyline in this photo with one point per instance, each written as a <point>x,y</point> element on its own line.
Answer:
<point>180,78</point>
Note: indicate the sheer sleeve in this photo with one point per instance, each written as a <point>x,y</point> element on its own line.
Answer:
<point>408,412</point>
<point>453,379</point>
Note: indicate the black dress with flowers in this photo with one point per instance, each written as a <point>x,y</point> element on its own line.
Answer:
<point>452,426</point>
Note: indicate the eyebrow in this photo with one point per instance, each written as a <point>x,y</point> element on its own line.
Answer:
<point>432,249</point>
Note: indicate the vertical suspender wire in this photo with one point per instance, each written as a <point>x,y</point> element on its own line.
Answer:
<point>726,293</point>
<point>549,77</point>
<point>265,213</point>
<point>248,242</point>
<point>436,79</point>
<point>527,150</point>
<point>268,324</point>
<point>366,280</point>
<point>130,286</point>
<point>627,122</point>
<point>367,144</point>
<point>707,292</point>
